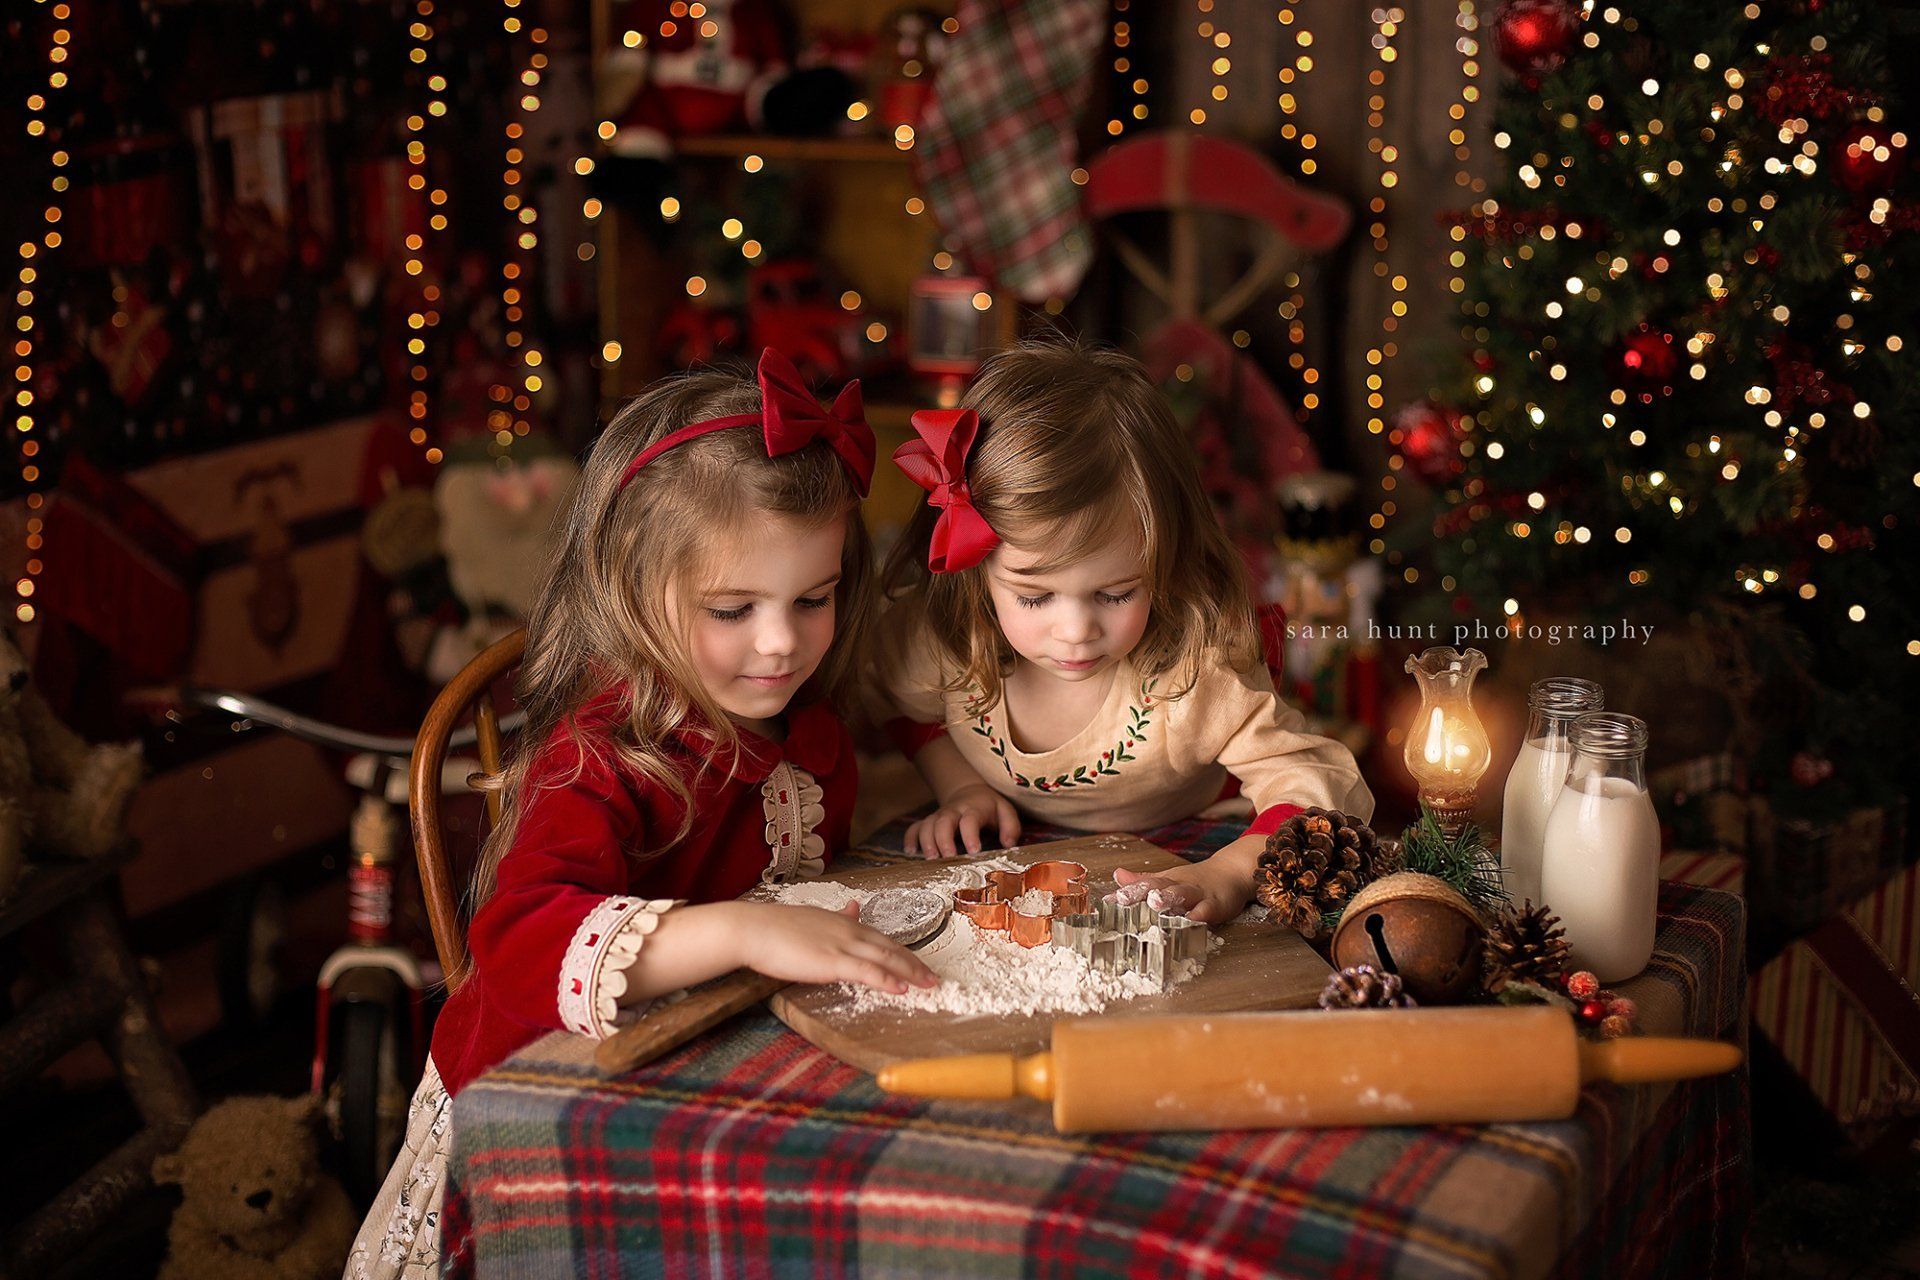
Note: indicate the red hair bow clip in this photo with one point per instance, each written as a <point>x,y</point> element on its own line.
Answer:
<point>794,419</point>
<point>937,462</point>
<point>790,419</point>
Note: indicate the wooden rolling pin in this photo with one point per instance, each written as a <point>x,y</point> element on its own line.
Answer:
<point>1294,1070</point>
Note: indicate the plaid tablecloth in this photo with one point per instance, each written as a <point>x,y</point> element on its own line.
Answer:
<point>750,1153</point>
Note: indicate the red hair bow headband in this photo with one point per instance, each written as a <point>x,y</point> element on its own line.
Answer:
<point>937,462</point>
<point>791,418</point>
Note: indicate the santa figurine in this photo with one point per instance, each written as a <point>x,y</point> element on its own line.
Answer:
<point>694,68</point>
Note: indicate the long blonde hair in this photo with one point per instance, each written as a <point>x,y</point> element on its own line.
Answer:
<point>602,617</point>
<point>1075,442</point>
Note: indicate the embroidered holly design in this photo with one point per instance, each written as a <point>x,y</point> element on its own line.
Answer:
<point>1139,720</point>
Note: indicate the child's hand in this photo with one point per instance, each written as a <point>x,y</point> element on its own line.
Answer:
<point>964,814</point>
<point>1213,891</point>
<point>809,944</point>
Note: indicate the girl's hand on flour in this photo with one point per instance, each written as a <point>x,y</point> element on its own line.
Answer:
<point>810,944</point>
<point>1213,892</point>
<point>954,828</point>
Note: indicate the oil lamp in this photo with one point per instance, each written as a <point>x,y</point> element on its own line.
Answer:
<point>1447,748</point>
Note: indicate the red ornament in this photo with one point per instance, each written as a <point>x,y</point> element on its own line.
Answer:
<point>1799,383</point>
<point>1868,157</point>
<point>1427,436</point>
<point>1583,985</point>
<point>1647,362</point>
<point>1534,36</point>
<point>1592,1011</point>
<point>1800,87</point>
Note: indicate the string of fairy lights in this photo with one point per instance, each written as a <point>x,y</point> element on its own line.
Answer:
<point>1220,40</point>
<point>1293,310</point>
<point>1467,43</point>
<point>426,315</point>
<point>916,205</point>
<point>592,209</point>
<point>586,250</point>
<point>38,104</point>
<point>512,408</point>
<point>1388,23</point>
<point>1291,74</point>
<point>1136,86</point>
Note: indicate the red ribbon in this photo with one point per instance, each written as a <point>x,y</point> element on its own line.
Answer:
<point>937,462</point>
<point>791,419</point>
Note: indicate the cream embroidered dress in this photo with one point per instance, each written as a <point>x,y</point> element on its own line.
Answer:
<point>1143,760</point>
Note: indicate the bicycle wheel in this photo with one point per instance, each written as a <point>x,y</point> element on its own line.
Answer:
<point>367,1048</point>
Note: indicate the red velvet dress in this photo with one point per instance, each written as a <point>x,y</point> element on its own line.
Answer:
<point>579,878</point>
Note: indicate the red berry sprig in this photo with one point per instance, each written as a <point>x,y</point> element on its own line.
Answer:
<point>1597,1009</point>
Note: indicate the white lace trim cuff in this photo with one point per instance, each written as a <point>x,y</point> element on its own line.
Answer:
<point>593,974</point>
<point>791,801</point>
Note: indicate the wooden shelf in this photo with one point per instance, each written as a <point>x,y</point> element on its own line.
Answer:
<point>769,147</point>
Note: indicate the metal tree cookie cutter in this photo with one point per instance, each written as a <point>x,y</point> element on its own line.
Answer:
<point>995,905</point>
<point>1117,937</point>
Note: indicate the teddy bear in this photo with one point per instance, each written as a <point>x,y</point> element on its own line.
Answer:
<point>58,793</point>
<point>254,1204</point>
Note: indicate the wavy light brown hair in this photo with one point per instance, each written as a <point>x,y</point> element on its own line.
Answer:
<point>602,620</point>
<point>1075,444</point>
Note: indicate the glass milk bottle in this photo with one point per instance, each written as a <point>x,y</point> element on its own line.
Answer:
<point>1600,872</point>
<point>1538,774</point>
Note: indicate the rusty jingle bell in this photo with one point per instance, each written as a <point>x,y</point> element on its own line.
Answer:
<point>1419,927</point>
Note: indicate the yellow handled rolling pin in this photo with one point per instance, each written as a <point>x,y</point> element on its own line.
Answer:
<point>1294,1070</point>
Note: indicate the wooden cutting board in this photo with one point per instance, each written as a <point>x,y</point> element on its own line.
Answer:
<point>1260,967</point>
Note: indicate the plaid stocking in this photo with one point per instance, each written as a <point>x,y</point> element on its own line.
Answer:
<point>997,143</point>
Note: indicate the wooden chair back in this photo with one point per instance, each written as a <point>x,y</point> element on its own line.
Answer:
<point>471,691</point>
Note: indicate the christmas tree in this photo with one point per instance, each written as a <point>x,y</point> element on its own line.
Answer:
<point>1688,299</point>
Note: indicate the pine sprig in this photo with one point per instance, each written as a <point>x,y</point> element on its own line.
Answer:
<point>1463,861</point>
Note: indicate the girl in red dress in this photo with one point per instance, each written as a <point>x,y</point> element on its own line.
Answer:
<point>699,618</point>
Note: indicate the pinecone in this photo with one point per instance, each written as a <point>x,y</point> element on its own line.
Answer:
<point>1364,987</point>
<point>1525,944</point>
<point>1313,865</point>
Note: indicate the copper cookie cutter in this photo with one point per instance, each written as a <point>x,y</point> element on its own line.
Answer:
<point>992,905</point>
